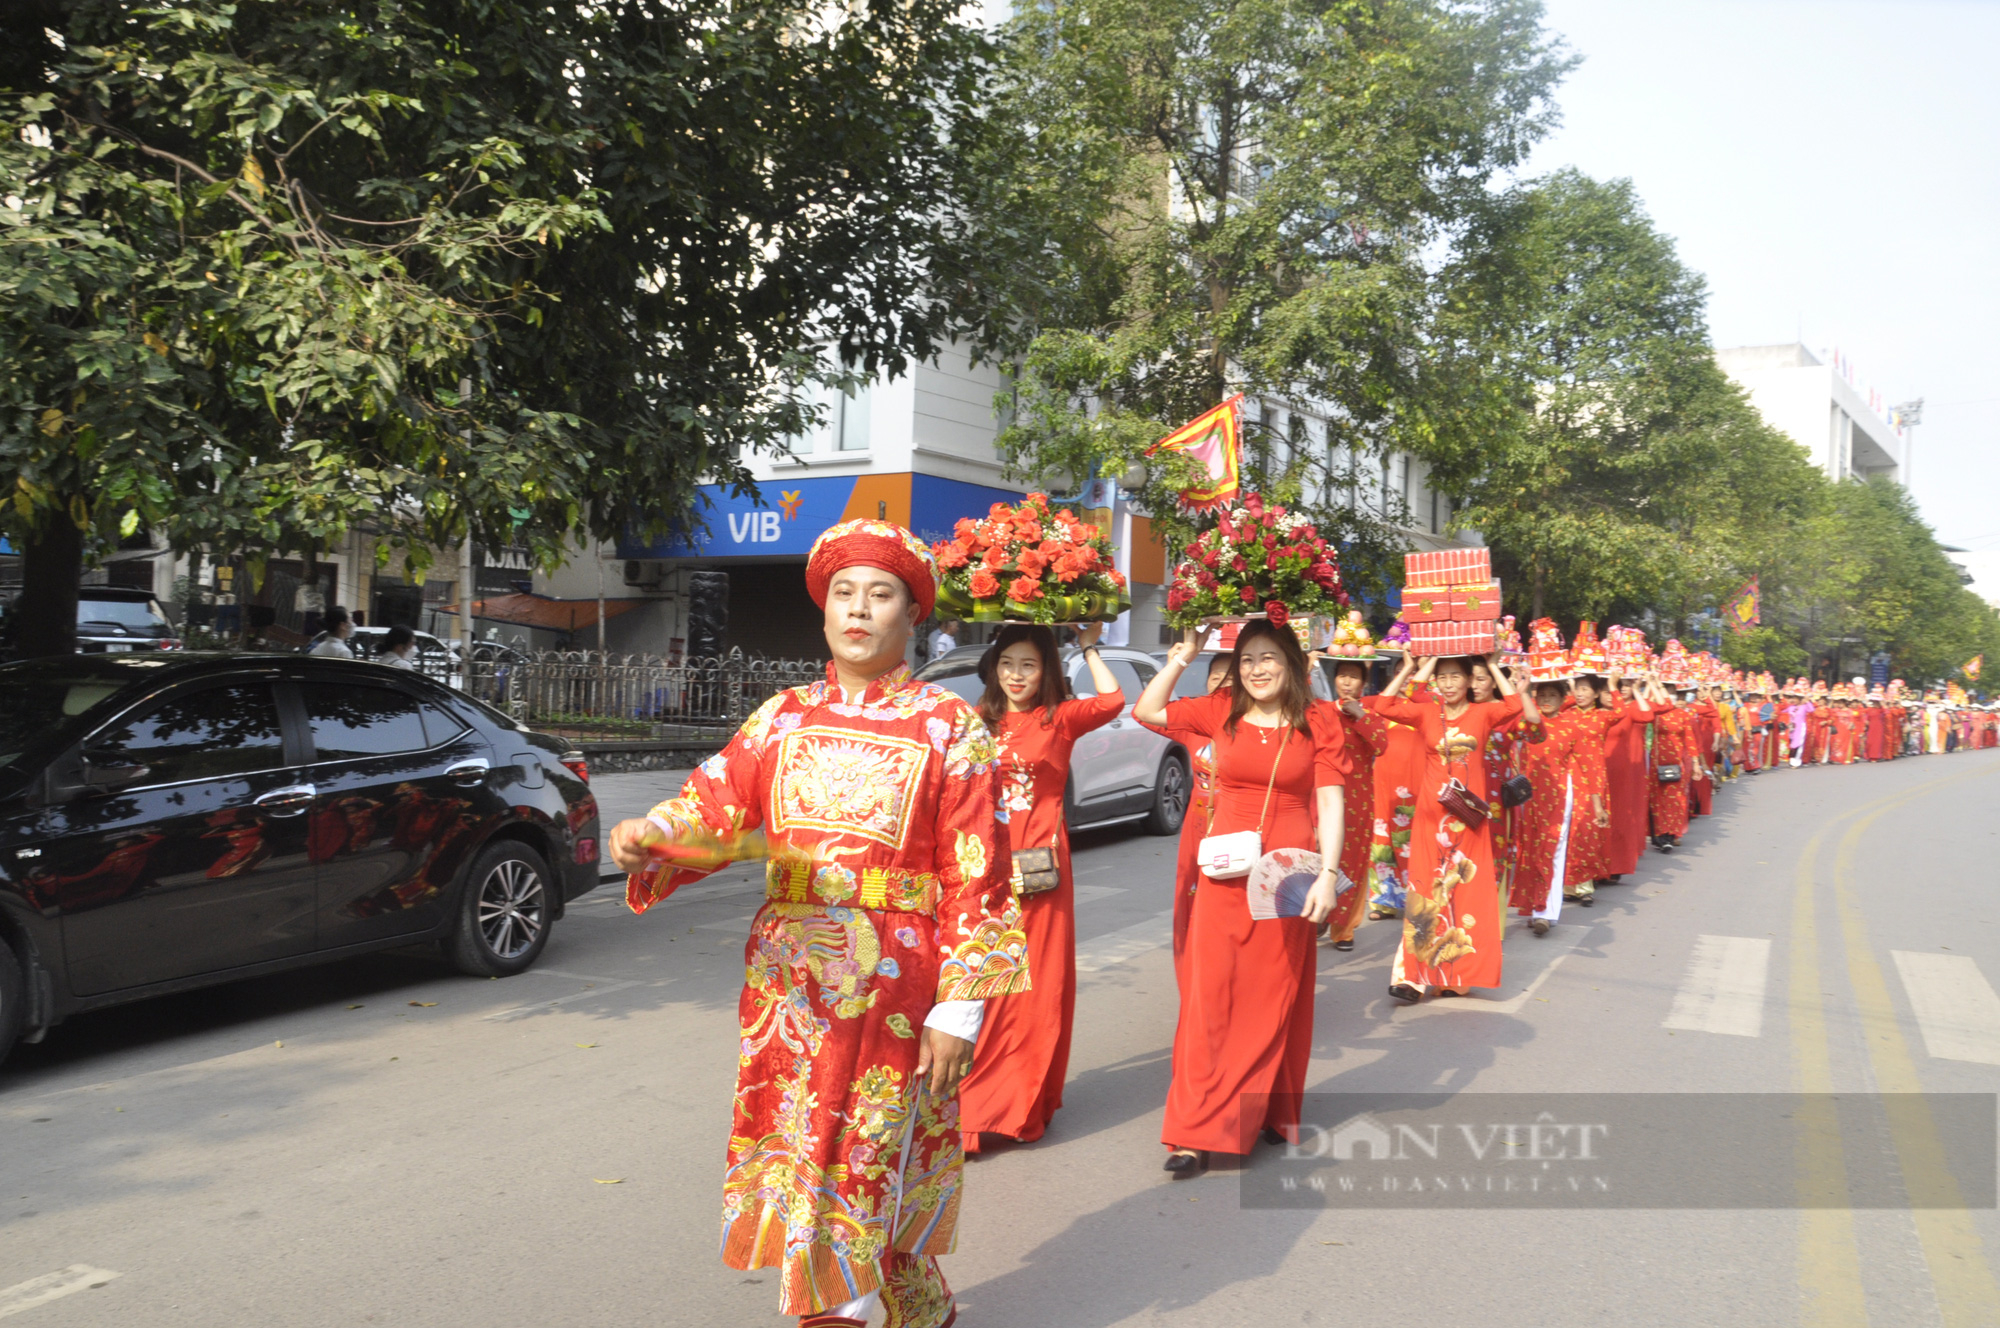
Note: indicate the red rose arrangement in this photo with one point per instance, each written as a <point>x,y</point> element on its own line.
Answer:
<point>1029,564</point>
<point>1257,559</point>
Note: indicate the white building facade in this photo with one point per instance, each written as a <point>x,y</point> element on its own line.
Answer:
<point>1815,405</point>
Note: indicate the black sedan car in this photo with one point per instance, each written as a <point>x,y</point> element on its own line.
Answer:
<point>173,820</point>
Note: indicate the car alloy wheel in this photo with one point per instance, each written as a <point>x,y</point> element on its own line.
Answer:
<point>504,913</point>
<point>512,908</point>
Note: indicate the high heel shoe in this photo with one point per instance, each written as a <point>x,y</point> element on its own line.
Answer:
<point>1405,993</point>
<point>1185,1162</point>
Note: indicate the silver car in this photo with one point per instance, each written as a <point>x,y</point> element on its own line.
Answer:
<point>1120,772</point>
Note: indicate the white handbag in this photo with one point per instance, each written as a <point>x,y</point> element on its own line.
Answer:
<point>1226,857</point>
<point>1230,857</point>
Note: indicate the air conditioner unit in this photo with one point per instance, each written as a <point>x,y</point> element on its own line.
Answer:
<point>645,574</point>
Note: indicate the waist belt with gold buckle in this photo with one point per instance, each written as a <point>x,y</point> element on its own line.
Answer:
<point>834,886</point>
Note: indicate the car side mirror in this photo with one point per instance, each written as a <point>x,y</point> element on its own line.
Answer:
<point>106,770</point>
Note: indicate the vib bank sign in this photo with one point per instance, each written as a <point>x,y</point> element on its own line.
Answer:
<point>794,513</point>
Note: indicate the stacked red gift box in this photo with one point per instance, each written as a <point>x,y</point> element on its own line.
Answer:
<point>1451,602</point>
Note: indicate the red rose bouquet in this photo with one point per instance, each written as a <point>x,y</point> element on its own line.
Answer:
<point>1029,564</point>
<point>1257,560</point>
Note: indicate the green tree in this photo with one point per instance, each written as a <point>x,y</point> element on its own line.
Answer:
<point>1622,474</point>
<point>452,267</point>
<point>1188,198</point>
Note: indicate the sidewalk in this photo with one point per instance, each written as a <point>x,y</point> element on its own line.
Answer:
<point>624,796</point>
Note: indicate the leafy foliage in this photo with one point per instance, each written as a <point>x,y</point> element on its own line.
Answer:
<point>1192,197</point>
<point>455,267</point>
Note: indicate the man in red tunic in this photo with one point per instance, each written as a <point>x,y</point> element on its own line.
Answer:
<point>888,921</point>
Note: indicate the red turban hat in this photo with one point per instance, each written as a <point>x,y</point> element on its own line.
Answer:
<point>868,543</point>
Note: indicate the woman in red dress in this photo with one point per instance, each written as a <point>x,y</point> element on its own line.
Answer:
<point>1630,787</point>
<point>1543,824</point>
<point>1598,713</point>
<point>1367,739</point>
<point>1452,916</point>
<point>1673,745</point>
<point>1023,1051</point>
<point>1245,1030</point>
<point>1201,777</point>
<point>1501,763</point>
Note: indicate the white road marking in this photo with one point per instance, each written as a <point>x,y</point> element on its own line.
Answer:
<point>1955,1005</point>
<point>596,987</point>
<point>1526,954</point>
<point>1723,989</point>
<point>51,1286</point>
<point>1125,944</point>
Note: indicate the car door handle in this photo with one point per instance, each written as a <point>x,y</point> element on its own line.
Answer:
<point>469,772</point>
<point>288,801</point>
<point>1117,723</point>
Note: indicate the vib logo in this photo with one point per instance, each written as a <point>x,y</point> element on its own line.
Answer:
<point>763,527</point>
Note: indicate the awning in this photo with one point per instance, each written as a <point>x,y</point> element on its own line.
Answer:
<point>549,614</point>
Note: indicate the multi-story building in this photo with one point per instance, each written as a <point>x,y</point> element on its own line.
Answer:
<point>1814,404</point>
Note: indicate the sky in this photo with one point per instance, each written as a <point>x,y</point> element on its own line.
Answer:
<point>1834,171</point>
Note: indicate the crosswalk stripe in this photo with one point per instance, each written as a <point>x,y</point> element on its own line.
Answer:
<point>1723,989</point>
<point>1125,944</point>
<point>51,1286</point>
<point>1956,1007</point>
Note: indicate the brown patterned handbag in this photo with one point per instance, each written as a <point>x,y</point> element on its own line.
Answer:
<point>1463,803</point>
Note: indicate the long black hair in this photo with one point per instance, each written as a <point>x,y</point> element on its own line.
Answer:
<point>1054,690</point>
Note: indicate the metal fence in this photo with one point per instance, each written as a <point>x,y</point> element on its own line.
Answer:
<point>586,694</point>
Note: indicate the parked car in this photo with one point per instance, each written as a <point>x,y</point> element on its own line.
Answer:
<point>110,620</point>
<point>1120,772</point>
<point>169,822</point>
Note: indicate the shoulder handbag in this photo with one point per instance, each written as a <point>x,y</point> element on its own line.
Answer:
<point>1035,870</point>
<point>1230,857</point>
<point>1669,774</point>
<point>1461,802</point>
<point>1516,790</point>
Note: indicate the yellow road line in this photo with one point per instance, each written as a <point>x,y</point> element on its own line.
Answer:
<point>1966,1291</point>
<point>1829,1266</point>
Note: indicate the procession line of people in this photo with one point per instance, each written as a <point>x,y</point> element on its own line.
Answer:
<point>910,980</point>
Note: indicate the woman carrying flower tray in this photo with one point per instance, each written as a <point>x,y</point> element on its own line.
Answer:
<point>1023,1055</point>
<point>1246,1012</point>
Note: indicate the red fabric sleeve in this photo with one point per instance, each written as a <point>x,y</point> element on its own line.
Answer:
<point>1330,764</point>
<point>1196,716</point>
<point>1076,718</point>
<point>1403,712</point>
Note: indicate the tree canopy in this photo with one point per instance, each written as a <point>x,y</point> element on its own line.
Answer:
<point>453,267</point>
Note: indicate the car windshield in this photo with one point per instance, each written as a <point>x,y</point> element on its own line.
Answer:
<point>142,613</point>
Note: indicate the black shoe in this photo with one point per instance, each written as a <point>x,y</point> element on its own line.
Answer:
<point>1405,993</point>
<point>1182,1164</point>
<point>1666,846</point>
<point>1273,1136</point>
<point>1344,945</point>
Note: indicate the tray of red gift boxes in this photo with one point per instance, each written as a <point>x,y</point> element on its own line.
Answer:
<point>1451,602</point>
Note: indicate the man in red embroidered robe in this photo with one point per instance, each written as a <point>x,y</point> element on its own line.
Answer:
<point>888,920</point>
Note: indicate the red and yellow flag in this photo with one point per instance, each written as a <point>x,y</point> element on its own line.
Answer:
<point>1216,440</point>
<point>1743,612</point>
<point>1973,665</point>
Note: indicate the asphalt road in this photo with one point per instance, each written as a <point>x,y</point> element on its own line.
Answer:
<point>385,1142</point>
